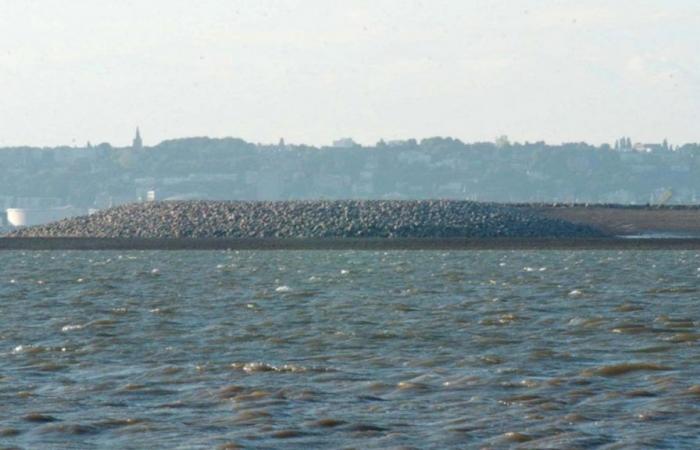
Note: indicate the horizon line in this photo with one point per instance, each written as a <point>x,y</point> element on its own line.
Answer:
<point>387,141</point>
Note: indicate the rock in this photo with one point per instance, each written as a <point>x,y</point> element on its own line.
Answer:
<point>311,219</point>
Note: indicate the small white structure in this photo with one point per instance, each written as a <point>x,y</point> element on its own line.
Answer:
<point>25,217</point>
<point>151,196</point>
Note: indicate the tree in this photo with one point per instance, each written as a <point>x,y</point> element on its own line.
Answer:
<point>502,141</point>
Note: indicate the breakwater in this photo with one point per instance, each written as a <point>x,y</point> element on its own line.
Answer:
<point>628,220</point>
<point>312,219</point>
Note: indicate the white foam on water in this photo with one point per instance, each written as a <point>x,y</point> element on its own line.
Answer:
<point>71,328</point>
<point>283,288</point>
<point>575,293</point>
<point>344,272</point>
<point>26,349</point>
<point>257,366</point>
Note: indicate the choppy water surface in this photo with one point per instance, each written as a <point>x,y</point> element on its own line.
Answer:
<point>349,349</point>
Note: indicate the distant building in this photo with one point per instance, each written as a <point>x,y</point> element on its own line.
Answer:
<point>643,148</point>
<point>654,147</point>
<point>345,143</point>
<point>137,143</point>
<point>151,196</point>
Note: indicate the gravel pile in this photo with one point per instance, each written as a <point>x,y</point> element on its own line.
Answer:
<point>310,219</point>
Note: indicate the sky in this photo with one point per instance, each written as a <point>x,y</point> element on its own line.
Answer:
<point>311,71</point>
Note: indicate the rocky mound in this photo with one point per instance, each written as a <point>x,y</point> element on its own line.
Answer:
<point>311,219</point>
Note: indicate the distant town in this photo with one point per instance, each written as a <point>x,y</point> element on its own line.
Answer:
<point>38,185</point>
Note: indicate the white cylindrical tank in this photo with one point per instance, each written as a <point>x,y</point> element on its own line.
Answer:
<point>17,217</point>
<point>25,217</point>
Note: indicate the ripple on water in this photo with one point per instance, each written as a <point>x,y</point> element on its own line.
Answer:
<point>694,390</point>
<point>249,416</point>
<point>628,307</point>
<point>75,429</point>
<point>327,422</point>
<point>229,446</point>
<point>431,349</point>
<point>632,328</point>
<point>683,337</point>
<point>230,391</point>
<point>36,417</point>
<point>257,366</point>
<point>625,368</point>
<point>9,432</point>
<point>514,436</point>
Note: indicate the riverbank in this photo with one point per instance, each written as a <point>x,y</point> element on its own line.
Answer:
<point>351,244</point>
<point>626,220</point>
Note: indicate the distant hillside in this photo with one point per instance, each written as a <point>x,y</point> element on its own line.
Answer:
<point>232,169</point>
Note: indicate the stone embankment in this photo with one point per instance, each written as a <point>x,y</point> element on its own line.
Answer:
<point>627,220</point>
<point>311,219</point>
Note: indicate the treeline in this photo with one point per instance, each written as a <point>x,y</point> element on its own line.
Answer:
<point>204,168</point>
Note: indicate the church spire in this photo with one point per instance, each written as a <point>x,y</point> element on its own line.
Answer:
<point>137,143</point>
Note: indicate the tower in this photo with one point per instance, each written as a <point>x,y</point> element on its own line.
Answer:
<point>137,143</point>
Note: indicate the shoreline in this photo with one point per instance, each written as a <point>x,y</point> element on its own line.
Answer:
<point>604,243</point>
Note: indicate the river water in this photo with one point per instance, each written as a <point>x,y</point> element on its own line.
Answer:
<point>328,349</point>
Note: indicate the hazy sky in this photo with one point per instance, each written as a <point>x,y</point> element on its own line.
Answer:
<point>315,70</point>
